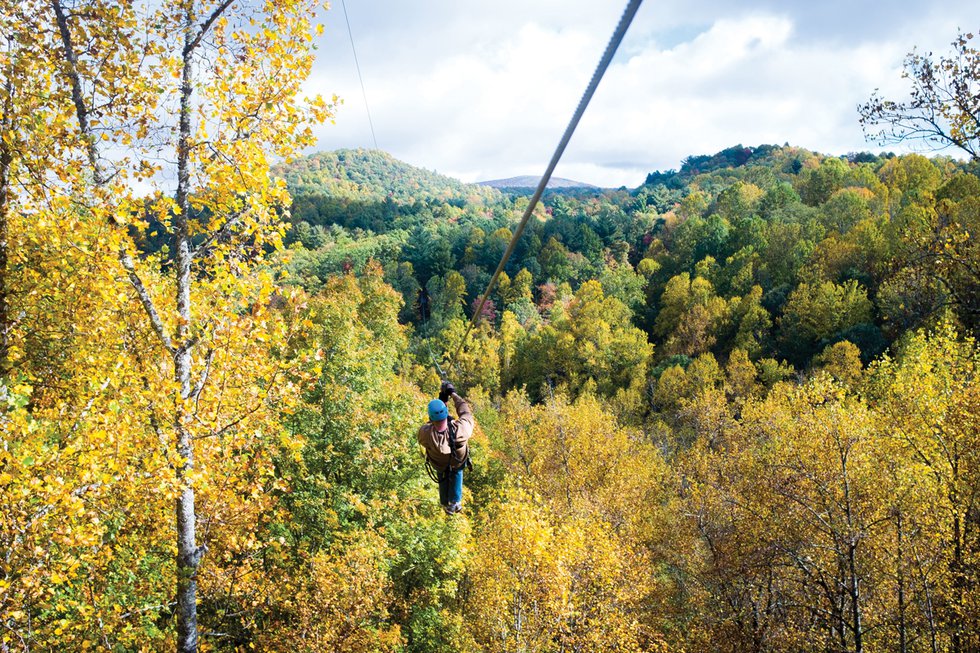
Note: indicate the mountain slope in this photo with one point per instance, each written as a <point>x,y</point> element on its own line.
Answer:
<point>373,175</point>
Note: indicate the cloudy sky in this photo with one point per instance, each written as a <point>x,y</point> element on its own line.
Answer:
<point>481,89</point>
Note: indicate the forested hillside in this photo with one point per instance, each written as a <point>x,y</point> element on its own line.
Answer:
<point>775,251</point>
<point>730,408</point>
<point>733,409</point>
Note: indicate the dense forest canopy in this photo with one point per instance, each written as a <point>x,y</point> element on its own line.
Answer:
<point>778,251</point>
<point>733,409</point>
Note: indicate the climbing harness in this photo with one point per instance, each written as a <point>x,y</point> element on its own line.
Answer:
<point>614,41</point>
<point>430,466</point>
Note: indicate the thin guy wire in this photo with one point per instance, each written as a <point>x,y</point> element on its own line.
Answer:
<point>359,78</point>
<point>607,56</point>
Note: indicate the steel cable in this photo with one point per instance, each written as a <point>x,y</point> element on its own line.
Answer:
<point>607,56</point>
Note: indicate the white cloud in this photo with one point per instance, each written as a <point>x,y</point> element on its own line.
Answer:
<point>481,90</point>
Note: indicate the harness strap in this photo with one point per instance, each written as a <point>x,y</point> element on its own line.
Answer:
<point>430,465</point>
<point>453,447</point>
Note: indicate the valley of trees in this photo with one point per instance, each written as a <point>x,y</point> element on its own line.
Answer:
<point>734,409</point>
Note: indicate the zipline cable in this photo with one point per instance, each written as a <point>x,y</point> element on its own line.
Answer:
<point>617,38</point>
<point>357,65</point>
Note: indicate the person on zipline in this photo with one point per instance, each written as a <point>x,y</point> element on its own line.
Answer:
<point>446,444</point>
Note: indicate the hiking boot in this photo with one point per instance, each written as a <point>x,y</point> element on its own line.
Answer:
<point>456,507</point>
<point>448,509</point>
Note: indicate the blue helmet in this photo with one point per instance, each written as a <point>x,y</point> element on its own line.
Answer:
<point>437,410</point>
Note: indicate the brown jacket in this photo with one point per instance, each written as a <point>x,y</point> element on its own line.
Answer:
<point>436,444</point>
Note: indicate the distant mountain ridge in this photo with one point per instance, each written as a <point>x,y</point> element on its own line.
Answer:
<point>529,181</point>
<point>374,175</point>
<point>364,174</point>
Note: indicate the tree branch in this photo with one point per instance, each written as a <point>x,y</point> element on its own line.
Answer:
<point>205,247</point>
<point>205,373</point>
<point>147,301</point>
<point>81,111</point>
<point>205,27</point>
<point>88,406</point>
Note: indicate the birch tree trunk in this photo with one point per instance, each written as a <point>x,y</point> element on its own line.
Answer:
<point>6,158</point>
<point>188,554</point>
<point>276,122</point>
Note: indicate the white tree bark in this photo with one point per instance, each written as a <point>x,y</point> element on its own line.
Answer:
<point>6,158</point>
<point>188,553</point>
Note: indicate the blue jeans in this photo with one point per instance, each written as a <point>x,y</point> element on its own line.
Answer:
<point>450,486</point>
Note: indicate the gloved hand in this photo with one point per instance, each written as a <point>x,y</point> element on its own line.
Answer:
<point>446,391</point>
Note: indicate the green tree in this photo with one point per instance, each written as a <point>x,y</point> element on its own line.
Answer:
<point>846,208</point>
<point>913,177</point>
<point>555,263</point>
<point>842,360</point>
<point>816,185</point>
<point>447,297</point>
<point>751,323</point>
<point>590,344</point>
<point>691,315</point>
<point>815,313</point>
